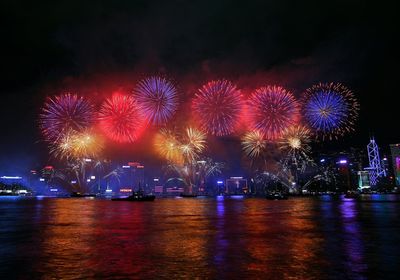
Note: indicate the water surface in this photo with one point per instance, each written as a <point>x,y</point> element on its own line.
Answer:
<point>205,238</point>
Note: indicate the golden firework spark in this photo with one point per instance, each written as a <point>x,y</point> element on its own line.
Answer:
<point>194,143</point>
<point>168,146</point>
<point>62,148</point>
<point>180,148</point>
<point>87,144</point>
<point>196,138</point>
<point>76,145</point>
<point>253,143</point>
<point>295,139</point>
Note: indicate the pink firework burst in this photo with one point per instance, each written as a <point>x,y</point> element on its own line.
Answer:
<point>272,109</point>
<point>218,107</point>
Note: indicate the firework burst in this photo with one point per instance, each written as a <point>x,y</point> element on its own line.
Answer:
<point>295,140</point>
<point>75,145</point>
<point>253,143</point>
<point>180,148</point>
<point>168,146</point>
<point>157,99</point>
<point>272,109</point>
<point>64,113</point>
<point>193,144</point>
<point>86,144</point>
<point>218,107</point>
<point>330,110</point>
<point>119,118</point>
<point>62,147</point>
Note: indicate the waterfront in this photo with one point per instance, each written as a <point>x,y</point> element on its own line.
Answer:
<point>214,238</point>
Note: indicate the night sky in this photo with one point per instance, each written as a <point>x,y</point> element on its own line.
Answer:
<point>95,47</point>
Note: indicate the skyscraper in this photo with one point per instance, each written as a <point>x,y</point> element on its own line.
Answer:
<point>395,151</point>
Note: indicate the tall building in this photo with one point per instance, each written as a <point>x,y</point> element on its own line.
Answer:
<point>236,185</point>
<point>395,151</point>
<point>133,176</point>
<point>375,168</point>
<point>364,180</point>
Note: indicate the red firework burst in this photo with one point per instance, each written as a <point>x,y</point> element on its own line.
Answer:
<point>119,118</point>
<point>272,109</point>
<point>218,107</point>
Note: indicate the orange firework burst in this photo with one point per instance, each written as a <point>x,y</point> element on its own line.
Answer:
<point>295,140</point>
<point>180,148</point>
<point>168,146</point>
<point>254,143</point>
<point>78,145</point>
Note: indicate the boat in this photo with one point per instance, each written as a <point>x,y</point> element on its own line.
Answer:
<point>78,194</point>
<point>276,196</point>
<point>136,196</point>
<point>351,194</point>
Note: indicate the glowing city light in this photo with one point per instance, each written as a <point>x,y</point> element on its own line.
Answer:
<point>11,177</point>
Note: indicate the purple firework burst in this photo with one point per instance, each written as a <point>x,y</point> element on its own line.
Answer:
<point>63,113</point>
<point>157,99</point>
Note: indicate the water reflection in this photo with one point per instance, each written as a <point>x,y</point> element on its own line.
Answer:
<point>354,259</point>
<point>222,238</point>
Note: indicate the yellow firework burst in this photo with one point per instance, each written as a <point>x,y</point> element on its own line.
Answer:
<point>194,143</point>
<point>253,143</point>
<point>77,145</point>
<point>196,138</point>
<point>180,148</point>
<point>62,148</point>
<point>87,144</point>
<point>295,139</point>
<point>168,146</point>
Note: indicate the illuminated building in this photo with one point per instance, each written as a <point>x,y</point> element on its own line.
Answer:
<point>133,176</point>
<point>363,180</point>
<point>395,151</point>
<point>344,174</point>
<point>157,187</point>
<point>236,185</point>
<point>375,165</point>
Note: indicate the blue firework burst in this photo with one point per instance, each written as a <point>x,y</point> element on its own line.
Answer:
<point>330,110</point>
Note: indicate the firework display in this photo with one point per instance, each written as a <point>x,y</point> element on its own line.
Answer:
<point>253,143</point>
<point>75,145</point>
<point>194,143</point>
<point>157,99</point>
<point>168,146</point>
<point>119,118</point>
<point>86,144</point>
<point>296,140</point>
<point>279,128</point>
<point>330,110</point>
<point>272,109</point>
<point>218,107</point>
<point>180,148</point>
<point>62,148</point>
<point>64,113</point>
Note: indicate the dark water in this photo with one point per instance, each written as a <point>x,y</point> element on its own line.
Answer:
<point>301,238</point>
